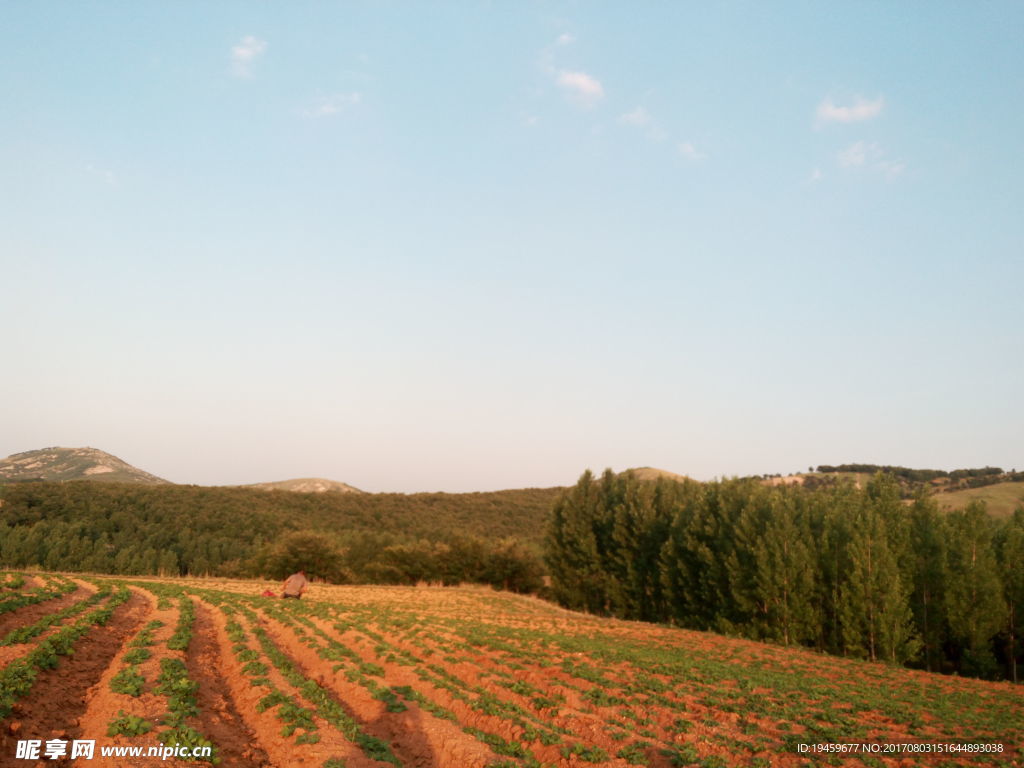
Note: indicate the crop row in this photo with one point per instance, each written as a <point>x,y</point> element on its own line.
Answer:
<point>55,588</point>
<point>17,677</point>
<point>172,683</point>
<point>514,728</point>
<point>25,633</point>
<point>551,691</point>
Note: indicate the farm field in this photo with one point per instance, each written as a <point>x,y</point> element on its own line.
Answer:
<point>372,677</point>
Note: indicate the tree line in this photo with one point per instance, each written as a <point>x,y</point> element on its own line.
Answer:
<point>491,538</point>
<point>967,478</point>
<point>844,570</point>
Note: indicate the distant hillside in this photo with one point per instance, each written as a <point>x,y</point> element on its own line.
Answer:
<point>63,464</point>
<point>1001,491</point>
<point>306,485</point>
<point>651,473</point>
<point>1001,499</point>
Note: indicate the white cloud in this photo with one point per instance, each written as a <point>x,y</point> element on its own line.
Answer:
<point>565,39</point>
<point>860,110</point>
<point>332,105</point>
<point>689,152</point>
<point>245,53</point>
<point>581,86</point>
<point>816,176</point>
<point>869,156</point>
<point>639,117</point>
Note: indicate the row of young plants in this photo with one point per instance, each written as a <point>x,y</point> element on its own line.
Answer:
<point>55,587</point>
<point>591,684</point>
<point>10,580</point>
<point>29,631</point>
<point>129,681</point>
<point>394,698</point>
<point>173,681</point>
<point>534,728</point>
<point>256,653</point>
<point>765,695</point>
<point>697,678</point>
<point>296,718</point>
<point>708,691</point>
<point>17,678</point>
<point>686,686</point>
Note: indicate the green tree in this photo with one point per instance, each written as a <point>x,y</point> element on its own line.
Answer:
<point>874,610</point>
<point>928,579</point>
<point>974,591</point>
<point>575,546</point>
<point>312,552</point>
<point>1010,553</point>
<point>782,587</point>
<point>640,530</point>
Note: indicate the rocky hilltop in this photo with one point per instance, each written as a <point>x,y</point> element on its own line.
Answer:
<point>307,485</point>
<point>60,464</point>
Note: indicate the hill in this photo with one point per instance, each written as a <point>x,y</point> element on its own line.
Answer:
<point>652,473</point>
<point>1001,491</point>
<point>306,485</point>
<point>63,464</point>
<point>1000,499</point>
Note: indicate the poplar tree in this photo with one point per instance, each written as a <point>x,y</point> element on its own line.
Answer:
<point>640,531</point>
<point>927,594</point>
<point>785,571</point>
<point>874,610</point>
<point>974,591</point>
<point>832,527</point>
<point>573,547</point>
<point>1010,552</point>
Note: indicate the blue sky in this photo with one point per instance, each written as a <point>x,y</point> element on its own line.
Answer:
<point>457,246</point>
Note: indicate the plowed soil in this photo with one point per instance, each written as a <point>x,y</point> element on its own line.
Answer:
<point>58,697</point>
<point>30,614</point>
<point>221,722</point>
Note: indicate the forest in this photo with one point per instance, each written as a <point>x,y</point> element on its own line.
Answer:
<point>125,529</point>
<point>844,570</point>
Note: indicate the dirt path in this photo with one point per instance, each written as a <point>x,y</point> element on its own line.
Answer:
<point>220,720</point>
<point>58,697</point>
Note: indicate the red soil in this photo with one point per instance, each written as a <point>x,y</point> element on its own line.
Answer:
<point>417,738</point>
<point>282,750</point>
<point>30,614</point>
<point>58,698</point>
<point>220,722</point>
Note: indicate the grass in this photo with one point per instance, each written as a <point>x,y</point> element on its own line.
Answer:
<point>1000,499</point>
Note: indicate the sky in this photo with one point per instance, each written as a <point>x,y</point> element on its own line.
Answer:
<point>471,246</point>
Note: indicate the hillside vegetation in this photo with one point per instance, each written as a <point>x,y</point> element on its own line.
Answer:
<point>172,529</point>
